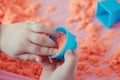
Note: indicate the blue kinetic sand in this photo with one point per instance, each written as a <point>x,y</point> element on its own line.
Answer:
<point>69,44</point>
<point>108,12</point>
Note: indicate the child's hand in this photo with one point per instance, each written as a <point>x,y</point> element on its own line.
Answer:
<point>26,40</point>
<point>56,71</point>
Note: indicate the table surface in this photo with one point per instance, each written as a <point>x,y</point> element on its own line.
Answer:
<point>58,18</point>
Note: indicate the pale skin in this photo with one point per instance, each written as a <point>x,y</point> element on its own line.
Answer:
<point>59,70</point>
<point>30,41</point>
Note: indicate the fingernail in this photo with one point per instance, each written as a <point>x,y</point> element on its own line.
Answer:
<point>69,51</point>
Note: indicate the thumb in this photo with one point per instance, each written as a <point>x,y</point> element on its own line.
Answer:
<point>70,58</point>
<point>70,64</point>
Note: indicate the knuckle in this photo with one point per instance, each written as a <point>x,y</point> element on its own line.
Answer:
<point>34,49</point>
<point>37,26</point>
<point>41,39</point>
<point>44,50</point>
<point>50,51</point>
<point>34,26</point>
<point>32,22</point>
<point>35,38</point>
<point>28,24</point>
<point>41,27</point>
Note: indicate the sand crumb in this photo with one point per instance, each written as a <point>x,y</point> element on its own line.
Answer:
<point>50,9</point>
<point>110,34</point>
<point>60,41</point>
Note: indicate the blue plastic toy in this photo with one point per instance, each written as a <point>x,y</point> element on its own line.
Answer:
<point>108,12</point>
<point>69,44</point>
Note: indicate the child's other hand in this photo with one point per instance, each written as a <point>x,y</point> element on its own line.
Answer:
<point>26,40</point>
<point>58,71</point>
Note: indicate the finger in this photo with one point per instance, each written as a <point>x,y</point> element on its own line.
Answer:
<point>41,28</point>
<point>29,57</point>
<point>41,50</point>
<point>42,40</point>
<point>70,60</point>
<point>70,64</point>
